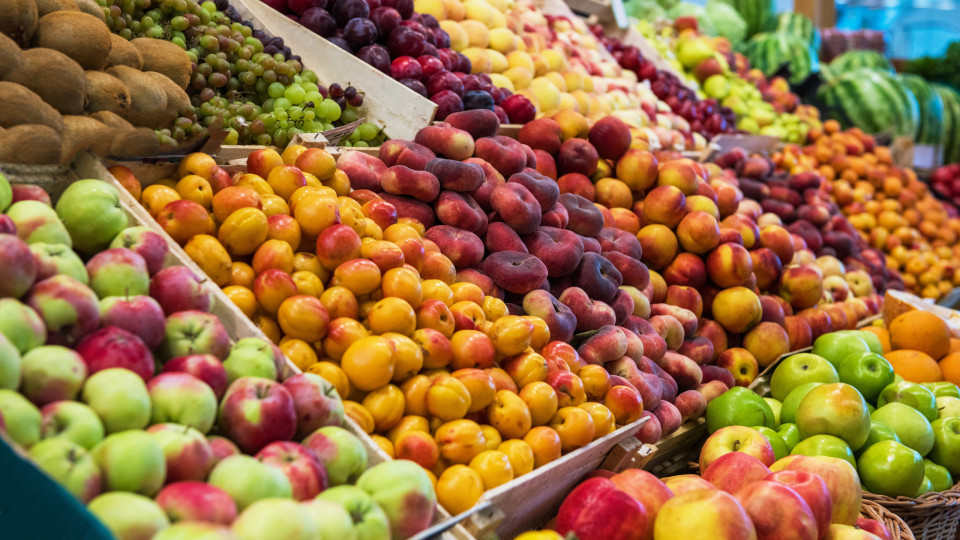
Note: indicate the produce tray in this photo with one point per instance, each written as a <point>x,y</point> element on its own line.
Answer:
<point>677,451</point>
<point>55,180</point>
<point>401,111</point>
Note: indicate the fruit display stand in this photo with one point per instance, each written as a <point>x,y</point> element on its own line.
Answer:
<point>401,111</point>
<point>55,179</point>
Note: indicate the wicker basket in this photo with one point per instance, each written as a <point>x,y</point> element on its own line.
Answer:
<point>898,528</point>
<point>931,516</point>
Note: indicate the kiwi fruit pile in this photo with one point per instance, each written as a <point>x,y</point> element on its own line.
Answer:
<point>69,85</point>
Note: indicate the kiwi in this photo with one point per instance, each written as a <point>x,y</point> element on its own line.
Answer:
<point>49,6</point>
<point>92,8</point>
<point>18,19</point>
<point>106,93</point>
<point>148,103</point>
<point>54,77</point>
<point>11,58</point>
<point>122,53</point>
<point>82,133</point>
<point>19,105</point>
<point>165,57</point>
<point>31,144</point>
<point>78,35</point>
<point>135,143</point>
<point>112,121</point>
<point>178,102</point>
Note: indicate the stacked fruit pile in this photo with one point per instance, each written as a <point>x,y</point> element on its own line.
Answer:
<point>237,78</point>
<point>81,381</point>
<point>73,88</point>
<point>738,496</point>
<point>946,181</point>
<point>887,412</point>
<point>889,207</point>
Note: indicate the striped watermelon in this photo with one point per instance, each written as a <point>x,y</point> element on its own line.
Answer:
<point>796,24</point>
<point>951,122</point>
<point>859,58</point>
<point>875,101</point>
<point>754,12</point>
<point>767,52</point>
<point>931,109</point>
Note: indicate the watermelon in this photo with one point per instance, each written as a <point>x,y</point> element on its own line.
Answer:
<point>754,12</point>
<point>931,109</point>
<point>859,58</point>
<point>951,122</point>
<point>767,52</point>
<point>795,24</point>
<point>875,101</point>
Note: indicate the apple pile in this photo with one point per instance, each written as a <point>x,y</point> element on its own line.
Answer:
<point>946,181</point>
<point>888,206</point>
<point>844,400</point>
<point>119,384</point>
<point>743,493</point>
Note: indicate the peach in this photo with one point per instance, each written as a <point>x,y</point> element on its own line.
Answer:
<point>767,268</point>
<point>364,171</point>
<point>610,136</point>
<point>665,205</point>
<point>698,349</point>
<point>461,211</point>
<point>559,249</point>
<point>340,302</point>
<point>501,237</point>
<point>670,329</point>
<point>407,153</point>
<point>683,369</point>
<point>686,269</point>
<point>612,239</point>
<point>402,180</point>
<point>460,440</point>
<point>478,123</point>
<point>434,314</point>
<point>543,188</point>
<point>801,286</point>
<point>607,345</point>
<point>767,341</point>
<point>745,226</point>
<point>505,154</point>
<point>514,271</point>
<point>729,265</point>
<point>417,446</point>
<point>591,314</point>
<point>577,155</point>
<point>772,309</point>
<point>517,207</point>
<point>545,443</point>
<point>659,245</point>
<point>578,184</point>
<point>463,248</point>
<point>668,416</point>
<point>381,212</point>
<point>546,165</point>
<point>598,277</point>
<point>741,363</point>
<point>633,272</point>
<point>737,309</point>
<point>542,134</point>
<point>777,239</point>
<point>447,141</point>
<point>585,218</point>
<point>479,384</point>
<point>622,305</point>
<point>638,169</point>
<point>408,207</point>
<point>491,179</point>
<point>798,332</point>
<point>712,330</point>
<point>559,318</point>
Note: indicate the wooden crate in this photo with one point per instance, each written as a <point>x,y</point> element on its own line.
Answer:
<point>677,451</point>
<point>400,110</point>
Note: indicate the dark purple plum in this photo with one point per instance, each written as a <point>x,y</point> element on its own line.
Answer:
<point>415,85</point>
<point>447,104</point>
<point>444,80</point>
<point>344,10</point>
<point>477,99</point>
<point>405,41</point>
<point>377,56</point>
<point>360,32</point>
<point>386,19</point>
<point>319,21</point>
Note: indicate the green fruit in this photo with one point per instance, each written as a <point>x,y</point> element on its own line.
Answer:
<point>767,52</point>
<point>836,346</point>
<point>835,409</point>
<point>938,475</point>
<point>879,432</point>
<point>912,394</point>
<point>739,407</point>
<point>942,389</point>
<point>788,410</point>
<point>890,468</point>
<point>910,426</point>
<point>790,435</point>
<point>6,193</point>
<point>799,369</point>
<point>824,445</point>
<point>868,372</point>
<point>776,441</point>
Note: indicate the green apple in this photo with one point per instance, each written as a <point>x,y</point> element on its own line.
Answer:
<point>943,389</point>
<point>948,407</point>
<point>939,476</point>
<point>369,520</point>
<point>9,365</point>
<point>92,214</point>
<point>925,487</point>
<point>404,492</point>
<point>247,480</point>
<point>879,432</point>
<point>739,406</point>
<point>120,399</point>
<point>790,434</point>
<point>890,468</point>
<point>195,530</point>
<point>131,461</point>
<point>333,519</point>
<point>184,399</point>
<point>22,418</point>
<point>341,452</point>
<point>69,464</point>
<point>872,340</point>
<point>250,361</point>
<point>716,86</point>
<point>775,406</point>
<point>946,443</point>
<point>129,515</point>
<point>20,324</point>
<point>693,51</point>
<point>824,445</point>
<point>835,409</point>
<point>276,518</point>
<point>800,369</point>
<point>73,421</point>
<point>836,346</point>
<point>912,427</point>
<point>52,373</point>
<point>917,396</point>
<point>868,372</point>
<point>776,441</point>
<point>58,259</point>
<point>37,222</point>
<point>788,411</point>
<point>6,193</point>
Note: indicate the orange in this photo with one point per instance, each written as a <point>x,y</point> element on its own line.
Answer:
<point>950,367</point>
<point>954,345</point>
<point>914,366</point>
<point>921,331</point>
<point>884,336</point>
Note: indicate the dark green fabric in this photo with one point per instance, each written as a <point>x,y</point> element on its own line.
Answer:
<point>35,507</point>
